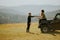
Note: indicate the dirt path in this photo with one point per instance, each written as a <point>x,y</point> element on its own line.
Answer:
<point>17,32</point>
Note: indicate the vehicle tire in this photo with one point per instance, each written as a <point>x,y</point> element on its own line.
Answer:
<point>44,29</point>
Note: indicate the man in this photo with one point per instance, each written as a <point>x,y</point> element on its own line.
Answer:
<point>42,17</point>
<point>29,22</point>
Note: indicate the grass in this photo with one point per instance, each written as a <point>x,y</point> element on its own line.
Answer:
<point>17,31</point>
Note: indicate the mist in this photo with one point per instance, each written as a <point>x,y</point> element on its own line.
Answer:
<point>18,14</point>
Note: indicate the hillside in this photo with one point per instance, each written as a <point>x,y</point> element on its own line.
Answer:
<point>19,14</point>
<point>11,18</point>
<point>51,15</point>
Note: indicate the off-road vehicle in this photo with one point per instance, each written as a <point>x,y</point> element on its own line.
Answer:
<point>50,25</point>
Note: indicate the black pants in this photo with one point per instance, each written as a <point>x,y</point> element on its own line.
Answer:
<point>28,27</point>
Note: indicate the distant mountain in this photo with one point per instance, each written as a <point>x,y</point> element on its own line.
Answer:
<point>51,15</point>
<point>19,14</point>
<point>11,18</point>
<point>25,9</point>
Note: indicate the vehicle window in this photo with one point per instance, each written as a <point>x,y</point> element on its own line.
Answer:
<point>58,16</point>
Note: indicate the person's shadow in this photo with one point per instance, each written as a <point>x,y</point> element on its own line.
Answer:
<point>52,33</point>
<point>31,33</point>
<point>34,33</point>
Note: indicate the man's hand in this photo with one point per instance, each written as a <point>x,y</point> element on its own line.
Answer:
<point>37,17</point>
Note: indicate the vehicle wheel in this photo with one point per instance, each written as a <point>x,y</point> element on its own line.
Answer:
<point>44,29</point>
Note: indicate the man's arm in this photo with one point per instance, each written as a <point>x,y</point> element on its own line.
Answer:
<point>33,16</point>
<point>36,17</point>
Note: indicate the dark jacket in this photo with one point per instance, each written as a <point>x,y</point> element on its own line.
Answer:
<point>29,19</point>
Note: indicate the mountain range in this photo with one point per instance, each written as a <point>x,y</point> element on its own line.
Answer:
<point>19,14</point>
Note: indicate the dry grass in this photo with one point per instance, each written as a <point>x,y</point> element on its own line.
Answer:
<point>18,32</point>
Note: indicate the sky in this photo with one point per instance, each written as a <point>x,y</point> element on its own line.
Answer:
<point>28,2</point>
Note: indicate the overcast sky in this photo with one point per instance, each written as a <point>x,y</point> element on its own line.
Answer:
<point>28,2</point>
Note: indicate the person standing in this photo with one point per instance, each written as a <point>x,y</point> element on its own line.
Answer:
<point>29,21</point>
